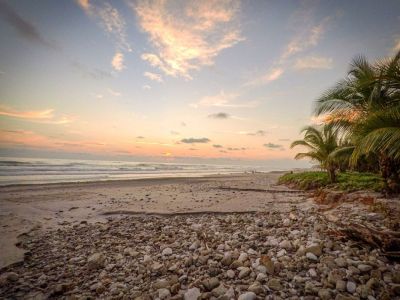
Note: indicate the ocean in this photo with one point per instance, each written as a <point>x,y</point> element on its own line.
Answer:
<point>38,171</point>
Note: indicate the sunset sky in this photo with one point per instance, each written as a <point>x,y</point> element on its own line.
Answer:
<point>193,81</point>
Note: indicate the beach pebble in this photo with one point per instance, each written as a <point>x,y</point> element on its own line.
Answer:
<point>247,296</point>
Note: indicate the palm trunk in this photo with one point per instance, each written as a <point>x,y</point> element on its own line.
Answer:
<point>390,174</point>
<point>332,174</point>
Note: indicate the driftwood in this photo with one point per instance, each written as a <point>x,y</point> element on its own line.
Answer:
<point>388,241</point>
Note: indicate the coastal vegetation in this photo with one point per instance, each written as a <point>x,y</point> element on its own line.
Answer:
<point>359,128</point>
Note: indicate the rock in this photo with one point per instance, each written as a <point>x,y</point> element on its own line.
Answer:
<point>341,285</point>
<point>396,277</point>
<point>192,294</point>
<point>285,244</point>
<point>351,287</point>
<point>281,253</point>
<point>166,252</point>
<point>341,262</point>
<point>244,272</point>
<point>311,256</point>
<point>96,261</point>
<point>324,294</point>
<point>227,260</point>
<point>261,277</point>
<point>210,283</point>
<point>147,259</point>
<point>268,264</point>
<point>243,257</point>
<point>194,245</point>
<point>364,268</point>
<point>312,273</point>
<point>161,284</point>
<point>219,291</point>
<point>230,274</point>
<point>314,249</point>
<point>11,276</point>
<point>164,293</point>
<point>256,288</point>
<point>230,293</point>
<point>129,251</point>
<point>274,284</point>
<point>247,296</point>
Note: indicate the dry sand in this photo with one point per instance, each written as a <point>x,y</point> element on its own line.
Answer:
<point>50,206</point>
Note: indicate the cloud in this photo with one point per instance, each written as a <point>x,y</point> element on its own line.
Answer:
<point>195,140</point>
<point>140,137</point>
<point>114,93</point>
<point>273,146</point>
<point>174,132</point>
<point>117,61</point>
<point>236,149</point>
<point>308,33</point>
<point>146,87</point>
<point>223,99</point>
<point>313,62</point>
<point>109,19</point>
<point>217,146</point>
<point>41,116</point>
<point>153,76</point>
<point>272,75</point>
<point>220,116</point>
<point>24,28</point>
<point>307,37</point>
<point>257,133</point>
<point>183,124</point>
<point>187,35</point>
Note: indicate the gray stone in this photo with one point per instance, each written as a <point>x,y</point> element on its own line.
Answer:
<point>96,261</point>
<point>351,287</point>
<point>247,296</point>
<point>192,294</point>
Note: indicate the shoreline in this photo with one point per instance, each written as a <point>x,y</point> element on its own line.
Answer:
<point>162,177</point>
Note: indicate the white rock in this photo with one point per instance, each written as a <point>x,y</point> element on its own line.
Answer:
<point>247,296</point>
<point>164,293</point>
<point>281,253</point>
<point>311,256</point>
<point>192,294</point>
<point>167,251</point>
<point>244,272</point>
<point>285,244</point>
<point>147,259</point>
<point>243,257</point>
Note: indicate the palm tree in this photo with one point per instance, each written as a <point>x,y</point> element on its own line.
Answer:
<point>365,106</point>
<point>321,142</point>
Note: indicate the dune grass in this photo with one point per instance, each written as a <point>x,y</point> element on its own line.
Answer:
<point>349,181</point>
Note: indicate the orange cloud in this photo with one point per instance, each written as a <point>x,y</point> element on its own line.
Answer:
<point>313,62</point>
<point>271,75</point>
<point>109,19</point>
<point>43,116</point>
<point>190,36</point>
<point>117,61</point>
<point>223,99</point>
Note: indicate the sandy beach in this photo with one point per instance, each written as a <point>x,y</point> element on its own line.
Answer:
<point>49,206</point>
<point>236,236</point>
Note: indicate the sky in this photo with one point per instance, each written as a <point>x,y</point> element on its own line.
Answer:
<point>218,81</point>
